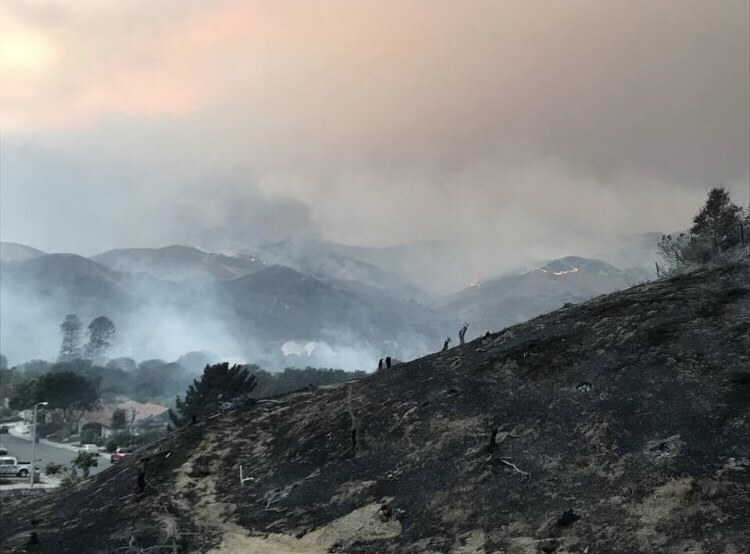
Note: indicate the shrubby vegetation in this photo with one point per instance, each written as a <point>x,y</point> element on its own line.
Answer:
<point>291,379</point>
<point>130,440</point>
<point>720,226</point>
<point>219,383</point>
<point>53,469</point>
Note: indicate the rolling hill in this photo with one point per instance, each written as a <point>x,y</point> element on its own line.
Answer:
<point>331,261</point>
<point>176,263</point>
<point>617,425</point>
<point>14,252</point>
<point>280,302</point>
<point>251,316</point>
<point>509,299</point>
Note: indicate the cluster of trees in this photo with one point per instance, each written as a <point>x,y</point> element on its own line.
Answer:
<point>719,226</point>
<point>100,333</point>
<point>68,396</point>
<point>222,383</point>
<point>149,381</point>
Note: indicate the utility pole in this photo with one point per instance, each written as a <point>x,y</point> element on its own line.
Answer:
<point>33,441</point>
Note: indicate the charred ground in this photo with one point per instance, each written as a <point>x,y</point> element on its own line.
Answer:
<point>621,425</point>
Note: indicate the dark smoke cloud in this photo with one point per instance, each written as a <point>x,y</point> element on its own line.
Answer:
<point>517,130</point>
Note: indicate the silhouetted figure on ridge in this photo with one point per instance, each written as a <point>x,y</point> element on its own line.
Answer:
<point>380,364</point>
<point>388,362</point>
<point>446,343</point>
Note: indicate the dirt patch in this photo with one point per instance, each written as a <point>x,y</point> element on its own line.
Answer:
<point>363,524</point>
<point>347,491</point>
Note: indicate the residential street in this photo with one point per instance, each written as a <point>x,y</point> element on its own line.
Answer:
<point>44,454</point>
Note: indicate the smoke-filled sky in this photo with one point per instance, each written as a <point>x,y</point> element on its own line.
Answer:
<point>507,125</point>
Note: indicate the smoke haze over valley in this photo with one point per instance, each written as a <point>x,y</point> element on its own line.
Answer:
<point>325,309</point>
<point>339,176</point>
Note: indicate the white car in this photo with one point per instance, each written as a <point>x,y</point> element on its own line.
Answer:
<point>11,467</point>
<point>90,448</point>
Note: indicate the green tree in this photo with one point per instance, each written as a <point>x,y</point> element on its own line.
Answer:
<point>156,379</point>
<point>34,368</point>
<point>71,338</point>
<point>716,227</point>
<point>84,461</point>
<point>67,394</point>
<point>219,383</point>
<point>124,364</point>
<point>110,380</point>
<point>101,332</point>
<point>717,219</point>
<point>119,419</point>
<point>9,380</point>
<point>23,395</point>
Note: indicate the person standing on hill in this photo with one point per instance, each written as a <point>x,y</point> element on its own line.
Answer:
<point>446,343</point>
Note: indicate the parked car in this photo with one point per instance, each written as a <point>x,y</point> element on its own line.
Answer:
<point>120,454</point>
<point>90,448</point>
<point>11,467</point>
<point>4,429</point>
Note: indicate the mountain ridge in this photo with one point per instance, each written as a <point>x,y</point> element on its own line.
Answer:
<point>178,262</point>
<point>15,251</point>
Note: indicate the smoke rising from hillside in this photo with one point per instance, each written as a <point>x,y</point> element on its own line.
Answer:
<point>511,132</point>
<point>506,126</point>
<point>167,319</point>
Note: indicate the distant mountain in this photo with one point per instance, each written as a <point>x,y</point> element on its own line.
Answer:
<point>14,252</point>
<point>505,300</point>
<point>254,315</point>
<point>280,303</point>
<point>72,280</point>
<point>176,263</point>
<point>437,267</point>
<point>169,301</point>
<point>334,261</point>
<point>37,293</point>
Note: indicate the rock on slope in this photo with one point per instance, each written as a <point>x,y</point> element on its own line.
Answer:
<point>622,427</point>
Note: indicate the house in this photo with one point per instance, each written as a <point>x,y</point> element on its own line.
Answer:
<point>138,416</point>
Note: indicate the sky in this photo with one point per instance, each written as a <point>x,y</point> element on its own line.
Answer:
<point>513,127</point>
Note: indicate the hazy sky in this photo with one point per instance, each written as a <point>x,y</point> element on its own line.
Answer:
<point>506,123</point>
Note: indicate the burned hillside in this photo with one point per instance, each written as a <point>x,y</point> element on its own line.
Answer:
<point>619,425</point>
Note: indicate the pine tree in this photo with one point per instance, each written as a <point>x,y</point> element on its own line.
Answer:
<point>717,219</point>
<point>219,383</point>
<point>100,331</point>
<point>71,338</point>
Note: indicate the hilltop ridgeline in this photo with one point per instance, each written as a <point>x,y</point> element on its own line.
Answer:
<point>619,425</point>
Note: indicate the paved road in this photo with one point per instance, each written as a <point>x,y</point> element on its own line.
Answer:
<point>44,454</point>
